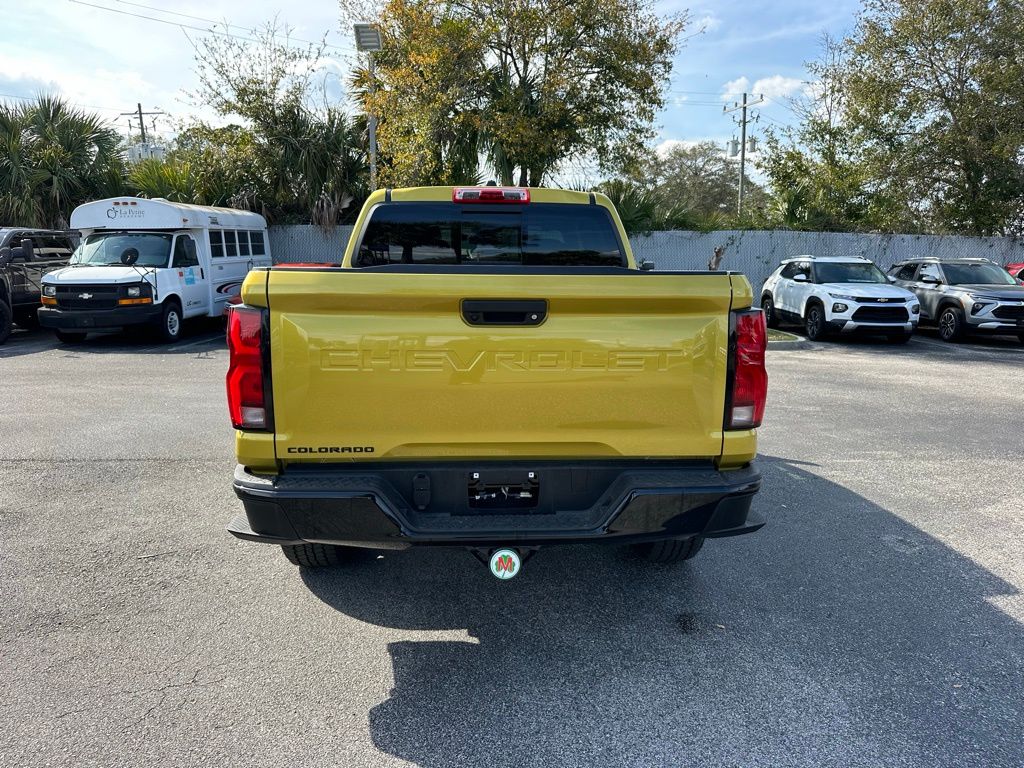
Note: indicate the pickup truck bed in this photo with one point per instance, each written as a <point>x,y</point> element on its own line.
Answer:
<point>492,404</point>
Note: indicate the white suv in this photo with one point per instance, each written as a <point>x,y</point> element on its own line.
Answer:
<point>842,294</point>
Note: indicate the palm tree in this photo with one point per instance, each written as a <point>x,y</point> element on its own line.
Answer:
<point>54,157</point>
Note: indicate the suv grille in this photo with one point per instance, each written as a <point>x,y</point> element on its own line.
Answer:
<point>881,315</point>
<point>886,300</point>
<point>87,296</point>
<point>1009,313</point>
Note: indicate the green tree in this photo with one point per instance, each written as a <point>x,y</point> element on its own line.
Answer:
<point>699,178</point>
<point>934,99</point>
<point>295,159</point>
<point>523,83</point>
<point>816,171</point>
<point>53,158</point>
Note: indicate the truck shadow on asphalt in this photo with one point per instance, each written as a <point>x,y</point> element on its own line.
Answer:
<point>837,635</point>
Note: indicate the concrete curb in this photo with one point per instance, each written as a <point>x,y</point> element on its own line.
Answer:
<point>792,346</point>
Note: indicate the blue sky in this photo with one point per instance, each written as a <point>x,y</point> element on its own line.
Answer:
<point>109,60</point>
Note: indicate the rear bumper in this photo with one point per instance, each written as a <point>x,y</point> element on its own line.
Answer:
<point>97,319</point>
<point>377,506</point>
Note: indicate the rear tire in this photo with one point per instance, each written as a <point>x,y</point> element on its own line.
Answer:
<point>814,322</point>
<point>70,337</point>
<point>899,338</point>
<point>313,555</point>
<point>951,324</point>
<point>771,317</point>
<point>6,320</point>
<point>169,326</point>
<point>670,550</point>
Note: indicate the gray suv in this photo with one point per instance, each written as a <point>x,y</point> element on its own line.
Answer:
<point>964,296</point>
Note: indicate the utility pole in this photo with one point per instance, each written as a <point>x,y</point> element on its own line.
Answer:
<point>742,121</point>
<point>142,123</point>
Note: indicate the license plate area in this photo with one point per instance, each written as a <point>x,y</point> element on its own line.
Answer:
<point>516,490</point>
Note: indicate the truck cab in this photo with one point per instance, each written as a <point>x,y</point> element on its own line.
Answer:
<point>26,255</point>
<point>151,262</point>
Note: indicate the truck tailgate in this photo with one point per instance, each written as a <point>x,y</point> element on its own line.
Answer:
<point>371,365</point>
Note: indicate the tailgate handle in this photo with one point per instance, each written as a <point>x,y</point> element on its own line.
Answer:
<point>504,311</point>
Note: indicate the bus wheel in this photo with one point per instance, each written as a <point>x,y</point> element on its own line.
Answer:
<point>169,327</point>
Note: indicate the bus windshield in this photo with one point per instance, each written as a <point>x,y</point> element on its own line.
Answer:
<point>141,249</point>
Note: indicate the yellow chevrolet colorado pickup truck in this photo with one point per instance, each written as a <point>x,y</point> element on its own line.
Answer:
<point>488,368</point>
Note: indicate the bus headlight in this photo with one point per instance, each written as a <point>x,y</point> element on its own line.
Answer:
<point>49,290</point>
<point>134,291</point>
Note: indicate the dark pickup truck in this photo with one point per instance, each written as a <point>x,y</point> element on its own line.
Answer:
<point>25,256</point>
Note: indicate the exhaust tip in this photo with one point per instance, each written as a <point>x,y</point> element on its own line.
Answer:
<point>505,564</point>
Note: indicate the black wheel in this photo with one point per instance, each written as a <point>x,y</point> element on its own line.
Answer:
<point>951,324</point>
<point>27,320</point>
<point>313,555</point>
<point>770,316</point>
<point>670,550</point>
<point>814,322</point>
<point>902,337</point>
<point>169,326</point>
<point>70,337</point>
<point>6,321</point>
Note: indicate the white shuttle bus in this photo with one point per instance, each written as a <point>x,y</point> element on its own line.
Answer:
<point>151,262</point>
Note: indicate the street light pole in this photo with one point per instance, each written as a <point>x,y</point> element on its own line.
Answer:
<point>373,127</point>
<point>368,40</point>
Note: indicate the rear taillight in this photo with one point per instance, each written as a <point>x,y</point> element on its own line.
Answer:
<point>750,379</point>
<point>490,195</point>
<point>247,403</point>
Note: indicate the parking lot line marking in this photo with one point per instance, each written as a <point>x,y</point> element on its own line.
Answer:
<point>186,345</point>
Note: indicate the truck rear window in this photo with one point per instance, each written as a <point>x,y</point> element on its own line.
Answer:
<point>535,234</point>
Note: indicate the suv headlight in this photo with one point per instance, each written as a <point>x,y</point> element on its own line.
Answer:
<point>49,290</point>
<point>843,296</point>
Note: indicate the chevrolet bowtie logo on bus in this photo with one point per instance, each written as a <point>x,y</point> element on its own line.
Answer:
<point>453,361</point>
<point>318,449</point>
<point>85,295</point>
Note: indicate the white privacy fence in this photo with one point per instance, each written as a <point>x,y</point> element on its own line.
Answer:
<point>757,252</point>
<point>754,252</point>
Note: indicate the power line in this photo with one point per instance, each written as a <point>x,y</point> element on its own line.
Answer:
<point>72,103</point>
<point>214,22</point>
<point>142,121</point>
<point>743,120</point>
<point>204,30</point>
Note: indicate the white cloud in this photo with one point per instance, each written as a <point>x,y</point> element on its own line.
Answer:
<point>112,59</point>
<point>707,22</point>
<point>734,89</point>
<point>777,86</point>
<point>772,88</point>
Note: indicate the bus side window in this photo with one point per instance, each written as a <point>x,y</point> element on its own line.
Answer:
<point>257,243</point>
<point>216,244</point>
<point>185,253</point>
<point>243,243</point>
<point>230,243</point>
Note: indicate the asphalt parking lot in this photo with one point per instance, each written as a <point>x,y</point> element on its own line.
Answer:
<point>876,620</point>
